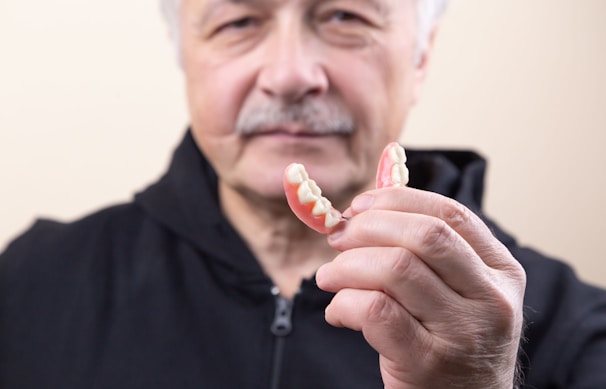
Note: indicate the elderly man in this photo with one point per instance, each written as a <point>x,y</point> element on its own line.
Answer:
<point>207,279</point>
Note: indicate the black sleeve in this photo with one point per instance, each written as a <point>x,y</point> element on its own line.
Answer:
<point>55,298</point>
<point>589,369</point>
<point>28,289</point>
<point>565,345</point>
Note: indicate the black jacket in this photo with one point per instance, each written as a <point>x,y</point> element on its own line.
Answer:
<point>162,293</point>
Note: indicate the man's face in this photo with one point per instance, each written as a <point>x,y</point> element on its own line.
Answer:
<point>327,83</point>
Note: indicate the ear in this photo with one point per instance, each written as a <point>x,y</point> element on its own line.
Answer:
<point>422,65</point>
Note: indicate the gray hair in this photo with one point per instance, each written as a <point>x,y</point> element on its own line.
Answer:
<point>428,13</point>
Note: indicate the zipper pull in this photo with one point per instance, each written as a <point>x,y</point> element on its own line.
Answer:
<point>282,324</point>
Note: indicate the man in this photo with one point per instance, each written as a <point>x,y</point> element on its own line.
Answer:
<point>209,280</point>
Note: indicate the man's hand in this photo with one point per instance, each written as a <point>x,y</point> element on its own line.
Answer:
<point>430,287</point>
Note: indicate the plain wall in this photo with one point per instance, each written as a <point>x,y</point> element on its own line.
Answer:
<point>92,105</point>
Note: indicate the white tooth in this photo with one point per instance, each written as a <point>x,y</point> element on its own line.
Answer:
<point>397,154</point>
<point>315,189</point>
<point>308,192</point>
<point>296,174</point>
<point>321,207</point>
<point>399,175</point>
<point>332,218</point>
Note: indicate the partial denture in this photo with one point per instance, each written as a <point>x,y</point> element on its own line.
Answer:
<point>306,201</point>
<point>392,170</point>
<point>305,198</point>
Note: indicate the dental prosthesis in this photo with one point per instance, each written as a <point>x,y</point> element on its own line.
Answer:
<point>305,198</point>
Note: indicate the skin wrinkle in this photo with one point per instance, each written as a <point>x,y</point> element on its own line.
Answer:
<point>382,8</point>
<point>428,12</point>
<point>215,6</point>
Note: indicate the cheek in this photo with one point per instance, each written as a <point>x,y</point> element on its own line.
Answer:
<point>374,88</point>
<point>212,95</point>
<point>215,92</point>
<point>216,87</point>
<point>396,76</point>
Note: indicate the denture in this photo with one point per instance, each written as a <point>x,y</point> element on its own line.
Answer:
<point>392,170</point>
<point>305,198</point>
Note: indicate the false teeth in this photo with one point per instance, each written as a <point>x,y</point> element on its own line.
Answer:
<point>305,196</point>
<point>309,192</point>
<point>296,174</point>
<point>332,218</point>
<point>392,170</point>
<point>399,175</point>
<point>396,153</point>
<point>321,207</point>
<point>305,199</point>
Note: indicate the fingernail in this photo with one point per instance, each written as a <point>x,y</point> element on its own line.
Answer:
<point>362,203</point>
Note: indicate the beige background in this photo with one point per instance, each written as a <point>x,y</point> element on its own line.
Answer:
<point>91,106</point>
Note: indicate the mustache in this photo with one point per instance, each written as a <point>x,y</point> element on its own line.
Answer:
<point>314,116</point>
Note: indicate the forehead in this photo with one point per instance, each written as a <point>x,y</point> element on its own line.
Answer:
<point>379,4</point>
<point>392,10</point>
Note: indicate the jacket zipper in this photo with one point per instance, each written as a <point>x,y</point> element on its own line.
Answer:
<point>281,326</point>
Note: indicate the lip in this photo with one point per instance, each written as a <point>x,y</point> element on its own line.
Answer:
<point>288,139</point>
<point>289,134</point>
<point>291,130</point>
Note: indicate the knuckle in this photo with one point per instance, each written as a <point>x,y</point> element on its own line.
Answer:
<point>505,316</point>
<point>381,308</point>
<point>504,312</point>
<point>517,273</point>
<point>503,331</point>
<point>438,237</point>
<point>401,264</point>
<point>454,213</point>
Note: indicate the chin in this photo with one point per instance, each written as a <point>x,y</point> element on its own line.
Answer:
<point>267,183</point>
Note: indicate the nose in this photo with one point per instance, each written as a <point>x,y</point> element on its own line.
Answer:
<point>291,71</point>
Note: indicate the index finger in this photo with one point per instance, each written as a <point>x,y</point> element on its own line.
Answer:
<point>457,216</point>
